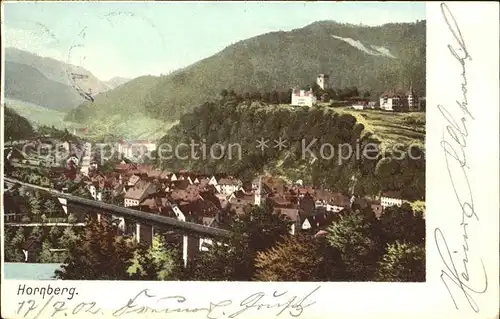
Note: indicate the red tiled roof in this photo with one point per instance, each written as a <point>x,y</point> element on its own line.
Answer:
<point>321,233</point>
<point>229,181</point>
<point>377,209</point>
<point>180,184</point>
<point>125,166</point>
<point>292,213</point>
<point>165,175</point>
<point>138,191</point>
<point>305,189</point>
<point>279,202</point>
<point>134,179</point>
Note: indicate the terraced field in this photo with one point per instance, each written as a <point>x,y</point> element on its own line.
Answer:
<point>391,127</point>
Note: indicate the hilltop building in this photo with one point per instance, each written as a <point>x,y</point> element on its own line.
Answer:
<point>398,100</point>
<point>303,97</point>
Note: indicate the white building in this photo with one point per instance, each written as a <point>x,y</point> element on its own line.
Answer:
<point>136,194</point>
<point>303,97</point>
<point>393,100</point>
<point>390,199</point>
<point>228,186</point>
<point>132,149</point>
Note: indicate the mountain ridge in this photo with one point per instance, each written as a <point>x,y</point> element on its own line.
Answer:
<point>280,60</point>
<point>26,83</point>
<point>56,70</point>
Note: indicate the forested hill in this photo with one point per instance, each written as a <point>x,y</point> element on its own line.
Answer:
<point>26,83</point>
<point>16,127</point>
<point>238,127</point>
<point>370,58</point>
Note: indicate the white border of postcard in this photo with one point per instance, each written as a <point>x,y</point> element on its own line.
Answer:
<point>464,223</point>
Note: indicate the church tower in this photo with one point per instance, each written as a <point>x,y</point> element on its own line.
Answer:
<point>259,194</point>
<point>412,99</point>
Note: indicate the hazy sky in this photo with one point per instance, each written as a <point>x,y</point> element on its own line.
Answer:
<point>133,39</point>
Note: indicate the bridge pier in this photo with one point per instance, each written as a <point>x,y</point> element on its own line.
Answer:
<point>121,223</point>
<point>81,207</point>
<point>144,234</point>
<point>190,247</point>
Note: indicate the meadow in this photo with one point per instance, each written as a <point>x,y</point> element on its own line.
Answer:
<point>391,127</point>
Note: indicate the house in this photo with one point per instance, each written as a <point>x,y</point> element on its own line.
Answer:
<point>398,100</point>
<point>376,208</point>
<point>293,214</point>
<point>118,190</point>
<point>138,192</point>
<point>303,98</point>
<point>73,159</point>
<point>93,165</point>
<point>212,181</point>
<point>390,198</point>
<point>223,200</point>
<point>360,104</point>
<point>155,204</point>
<point>133,180</point>
<point>228,185</point>
<point>331,202</point>
<point>239,200</point>
<point>97,195</point>
<point>303,190</point>
<point>133,149</point>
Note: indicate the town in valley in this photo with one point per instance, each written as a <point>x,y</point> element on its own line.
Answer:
<point>85,203</point>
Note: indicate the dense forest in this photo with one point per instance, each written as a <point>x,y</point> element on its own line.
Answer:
<point>238,126</point>
<point>16,127</point>
<point>356,247</point>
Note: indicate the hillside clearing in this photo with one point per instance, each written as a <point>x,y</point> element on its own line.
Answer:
<point>391,128</point>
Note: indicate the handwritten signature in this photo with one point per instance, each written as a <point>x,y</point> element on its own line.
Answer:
<point>147,302</point>
<point>456,163</point>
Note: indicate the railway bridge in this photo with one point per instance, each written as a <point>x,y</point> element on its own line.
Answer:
<point>146,223</point>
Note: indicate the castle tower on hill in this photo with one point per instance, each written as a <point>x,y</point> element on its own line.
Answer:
<point>323,80</point>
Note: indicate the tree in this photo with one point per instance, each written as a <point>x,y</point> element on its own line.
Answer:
<point>402,224</point>
<point>298,258</point>
<point>100,254</point>
<point>51,209</point>
<point>274,98</point>
<point>45,255</point>
<point>402,262</point>
<point>355,236</point>
<point>37,233</point>
<point>234,259</point>
<point>256,96</point>
<point>12,244</point>
<point>35,204</point>
<point>155,263</point>
<point>68,239</point>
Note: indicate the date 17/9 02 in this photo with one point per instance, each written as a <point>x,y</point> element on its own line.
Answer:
<point>29,309</point>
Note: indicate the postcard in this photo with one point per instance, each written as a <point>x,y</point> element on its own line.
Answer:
<point>249,159</point>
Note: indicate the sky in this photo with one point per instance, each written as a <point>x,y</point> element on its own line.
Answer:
<point>139,38</point>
